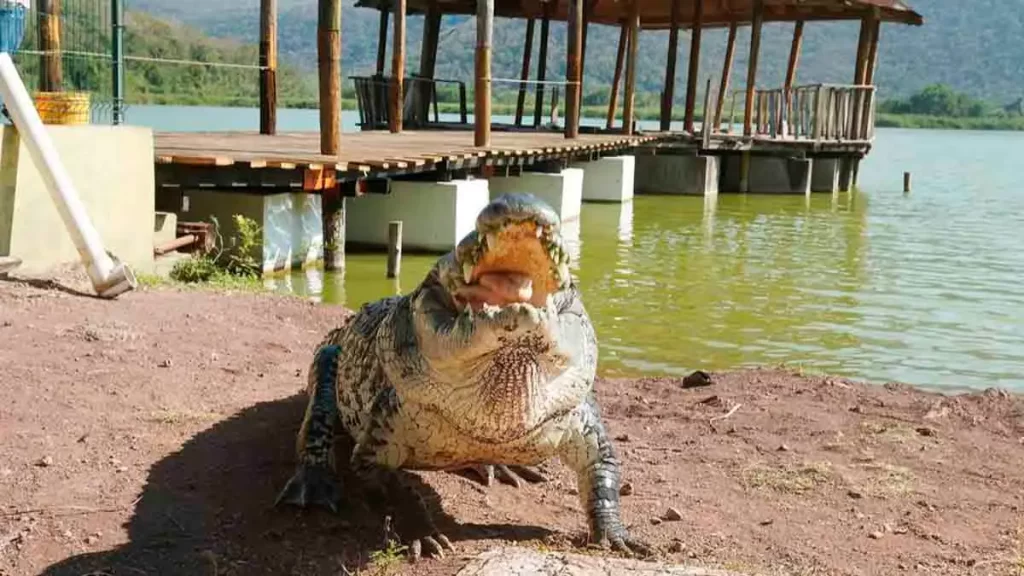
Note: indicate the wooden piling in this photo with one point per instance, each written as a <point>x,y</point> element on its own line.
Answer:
<point>794,55</point>
<point>669,89</point>
<point>51,69</point>
<point>723,84</point>
<point>755,48</point>
<point>524,73</point>
<point>542,66</point>
<point>382,37</point>
<point>620,56</point>
<point>906,181</point>
<point>627,104</point>
<point>872,58</point>
<point>428,58</point>
<point>329,60</point>
<point>268,66</point>
<point>396,100</point>
<point>482,93</point>
<point>333,209</point>
<point>394,249</point>
<point>691,79</point>
<point>574,26</point>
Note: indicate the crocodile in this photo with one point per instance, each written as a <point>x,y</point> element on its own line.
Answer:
<point>488,364</point>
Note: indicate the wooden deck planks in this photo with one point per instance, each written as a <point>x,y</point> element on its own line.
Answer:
<point>366,151</point>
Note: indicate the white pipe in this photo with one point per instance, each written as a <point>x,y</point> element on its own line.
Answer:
<point>109,278</point>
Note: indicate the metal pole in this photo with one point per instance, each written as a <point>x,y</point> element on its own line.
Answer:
<point>117,58</point>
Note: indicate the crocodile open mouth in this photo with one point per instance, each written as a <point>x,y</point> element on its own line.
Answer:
<point>517,262</point>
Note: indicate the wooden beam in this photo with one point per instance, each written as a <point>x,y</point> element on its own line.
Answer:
<point>382,37</point>
<point>617,76</point>
<point>542,66</point>
<point>397,97</point>
<point>794,55</point>
<point>51,69</point>
<point>574,31</point>
<point>862,51</point>
<point>691,78</point>
<point>723,85</point>
<point>329,57</point>
<point>524,73</point>
<point>755,48</point>
<point>268,66</point>
<point>668,92</point>
<point>482,92</point>
<point>634,34</point>
<point>428,57</point>
<point>588,10</point>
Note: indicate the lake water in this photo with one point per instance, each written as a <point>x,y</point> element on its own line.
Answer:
<point>924,288</point>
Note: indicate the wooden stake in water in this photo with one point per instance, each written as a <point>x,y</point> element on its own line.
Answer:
<point>394,248</point>
<point>906,181</point>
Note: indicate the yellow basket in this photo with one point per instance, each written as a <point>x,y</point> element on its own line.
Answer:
<point>63,107</point>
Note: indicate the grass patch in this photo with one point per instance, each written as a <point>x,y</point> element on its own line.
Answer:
<point>887,480</point>
<point>889,431</point>
<point>789,479</point>
<point>233,268</point>
<point>387,560</point>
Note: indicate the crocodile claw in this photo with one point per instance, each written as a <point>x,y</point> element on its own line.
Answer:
<point>436,545</point>
<point>619,540</point>
<point>311,485</point>
<point>513,475</point>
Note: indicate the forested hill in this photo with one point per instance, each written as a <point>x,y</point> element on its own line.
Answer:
<point>974,47</point>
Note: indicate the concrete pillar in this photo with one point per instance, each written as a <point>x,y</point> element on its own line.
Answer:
<point>434,215</point>
<point>291,230</point>
<point>825,175</point>
<point>608,179</point>
<point>672,174</point>
<point>563,190</point>
<point>779,175</point>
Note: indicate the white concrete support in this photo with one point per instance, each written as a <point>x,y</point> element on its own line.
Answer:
<point>777,175</point>
<point>434,215</point>
<point>677,174</point>
<point>608,179</point>
<point>825,175</point>
<point>290,224</point>
<point>563,191</point>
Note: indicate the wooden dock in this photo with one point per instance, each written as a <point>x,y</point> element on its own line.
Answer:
<point>292,160</point>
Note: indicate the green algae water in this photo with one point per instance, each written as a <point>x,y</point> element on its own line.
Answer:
<point>924,288</point>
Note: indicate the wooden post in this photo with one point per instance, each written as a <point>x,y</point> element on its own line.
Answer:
<point>397,99</point>
<point>627,104</point>
<point>524,74</point>
<point>723,85</point>
<point>268,66</point>
<point>872,59</point>
<point>334,228</point>
<point>329,56</point>
<point>588,8</point>
<point>668,92</point>
<point>482,92</point>
<point>394,248</point>
<point>794,54</point>
<point>542,66</point>
<point>117,58</point>
<point>705,124</point>
<point>382,37</point>
<point>51,69</point>
<point>574,26</point>
<point>860,72</point>
<point>906,181</point>
<point>617,76</point>
<point>862,50</point>
<point>691,79</point>
<point>755,48</point>
<point>428,58</point>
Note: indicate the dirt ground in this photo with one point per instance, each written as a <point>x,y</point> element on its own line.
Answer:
<point>150,435</point>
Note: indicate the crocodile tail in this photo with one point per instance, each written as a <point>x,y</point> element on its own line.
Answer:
<point>324,369</point>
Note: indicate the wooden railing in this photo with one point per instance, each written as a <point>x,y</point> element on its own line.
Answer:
<point>419,98</point>
<point>818,112</point>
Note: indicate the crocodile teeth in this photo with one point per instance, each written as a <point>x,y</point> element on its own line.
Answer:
<point>467,272</point>
<point>540,232</point>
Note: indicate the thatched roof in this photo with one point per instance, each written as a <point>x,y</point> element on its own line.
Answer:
<point>656,14</point>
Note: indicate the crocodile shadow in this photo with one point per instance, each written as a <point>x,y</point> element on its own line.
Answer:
<point>208,509</point>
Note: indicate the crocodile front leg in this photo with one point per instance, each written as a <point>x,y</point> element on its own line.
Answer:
<point>376,459</point>
<point>588,451</point>
<point>314,481</point>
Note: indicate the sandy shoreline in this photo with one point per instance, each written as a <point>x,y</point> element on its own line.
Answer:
<point>150,436</point>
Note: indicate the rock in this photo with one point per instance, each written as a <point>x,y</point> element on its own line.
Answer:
<point>854,494</point>
<point>927,431</point>
<point>675,547</point>
<point>626,489</point>
<point>655,520</point>
<point>91,539</point>
<point>697,379</point>
<point>45,461</point>
<point>875,535</point>
<point>672,515</point>
<point>164,363</point>
<point>784,448</point>
<point>622,438</point>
